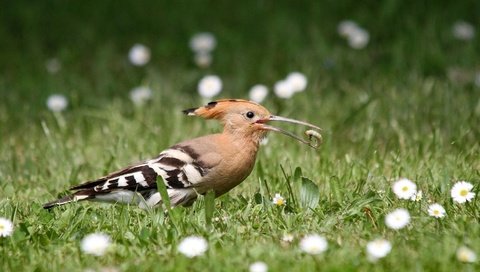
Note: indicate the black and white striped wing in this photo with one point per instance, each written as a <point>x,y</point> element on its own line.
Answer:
<point>179,167</point>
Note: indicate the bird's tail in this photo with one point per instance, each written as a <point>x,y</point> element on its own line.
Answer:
<point>77,196</point>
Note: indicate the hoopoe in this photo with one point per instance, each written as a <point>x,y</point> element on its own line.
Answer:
<point>217,162</point>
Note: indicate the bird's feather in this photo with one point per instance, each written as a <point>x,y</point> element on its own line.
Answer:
<point>180,167</point>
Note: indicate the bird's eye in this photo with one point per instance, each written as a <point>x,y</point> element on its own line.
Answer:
<point>250,114</point>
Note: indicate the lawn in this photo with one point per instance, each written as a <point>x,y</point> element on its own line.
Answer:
<point>405,106</point>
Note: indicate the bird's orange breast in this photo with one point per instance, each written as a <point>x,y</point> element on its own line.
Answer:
<point>236,160</point>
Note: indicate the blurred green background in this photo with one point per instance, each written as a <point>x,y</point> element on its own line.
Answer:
<point>258,41</point>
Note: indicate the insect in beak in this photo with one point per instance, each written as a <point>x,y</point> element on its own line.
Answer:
<point>314,137</point>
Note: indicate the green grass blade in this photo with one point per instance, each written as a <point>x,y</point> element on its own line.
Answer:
<point>162,189</point>
<point>309,194</point>
<point>209,207</point>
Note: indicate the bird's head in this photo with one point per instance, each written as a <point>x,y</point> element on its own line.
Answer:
<point>246,119</point>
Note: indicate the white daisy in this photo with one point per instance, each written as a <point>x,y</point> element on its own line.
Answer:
<point>220,219</point>
<point>404,188</point>
<point>346,28</point>
<point>358,39</point>
<point>6,227</point>
<point>140,95</point>
<point>436,210</point>
<point>209,86</point>
<point>193,246</point>
<point>313,244</point>
<point>203,59</point>
<point>258,93</point>
<point>462,192</point>
<point>287,238</point>
<point>417,196</point>
<point>283,89</point>
<point>57,102</point>
<point>279,200</point>
<point>53,66</point>
<point>397,219</point>
<point>378,248</point>
<point>466,255</point>
<point>95,244</point>
<point>258,267</point>
<point>203,42</point>
<point>139,55</point>
<point>298,81</point>
<point>463,31</point>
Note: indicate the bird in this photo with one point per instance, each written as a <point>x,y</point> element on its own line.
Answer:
<point>216,162</point>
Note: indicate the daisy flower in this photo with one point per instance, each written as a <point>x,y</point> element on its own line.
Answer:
<point>258,93</point>
<point>57,102</point>
<point>95,244</point>
<point>140,95</point>
<point>283,89</point>
<point>358,39</point>
<point>193,246</point>
<point>203,42</point>
<point>258,267</point>
<point>466,255</point>
<point>356,36</point>
<point>279,200</point>
<point>462,192</point>
<point>378,249</point>
<point>287,238</point>
<point>6,227</point>
<point>397,219</point>
<point>346,28</point>
<point>462,30</point>
<point>209,86</point>
<point>297,81</point>
<point>313,244</point>
<point>417,196</point>
<point>223,218</point>
<point>436,210</point>
<point>404,188</point>
<point>203,59</point>
<point>53,66</point>
<point>139,55</point>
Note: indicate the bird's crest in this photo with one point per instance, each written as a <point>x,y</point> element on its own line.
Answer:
<point>216,109</point>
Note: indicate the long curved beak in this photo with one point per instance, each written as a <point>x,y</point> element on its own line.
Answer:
<point>314,136</point>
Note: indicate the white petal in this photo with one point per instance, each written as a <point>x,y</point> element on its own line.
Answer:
<point>139,55</point>
<point>258,267</point>
<point>313,244</point>
<point>57,102</point>
<point>95,244</point>
<point>210,86</point>
<point>283,89</point>
<point>203,42</point>
<point>258,93</point>
<point>193,246</point>
<point>297,81</point>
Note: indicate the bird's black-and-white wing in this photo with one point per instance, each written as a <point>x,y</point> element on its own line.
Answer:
<point>179,167</point>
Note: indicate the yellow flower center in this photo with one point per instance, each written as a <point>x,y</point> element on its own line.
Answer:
<point>405,188</point>
<point>279,202</point>
<point>436,212</point>
<point>2,227</point>
<point>463,256</point>
<point>464,192</point>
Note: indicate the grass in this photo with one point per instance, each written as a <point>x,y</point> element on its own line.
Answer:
<point>388,111</point>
